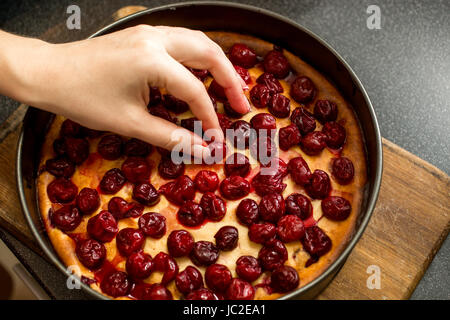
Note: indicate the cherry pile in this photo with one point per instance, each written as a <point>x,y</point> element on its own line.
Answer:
<point>272,222</point>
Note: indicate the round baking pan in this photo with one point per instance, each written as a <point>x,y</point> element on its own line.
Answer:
<point>217,16</point>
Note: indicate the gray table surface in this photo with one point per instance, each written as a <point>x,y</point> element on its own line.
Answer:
<point>404,66</point>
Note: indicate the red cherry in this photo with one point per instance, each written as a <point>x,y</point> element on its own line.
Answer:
<point>136,169</point>
<point>343,170</point>
<point>175,105</point>
<point>336,208</point>
<point>180,243</point>
<point>248,268</point>
<point>304,120</point>
<point>155,96</point>
<point>191,214</point>
<point>271,207</point>
<point>206,180</point>
<point>189,280</point>
<point>137,148</point>
<point>303,89</point>
<point>102,227</point>
<point>272,255</point>
<point>180,190</point>
<point>213,206</point>
<point>62,190</point>
<point>77,150</point>
<point>110,147</point>
<point>88,200</point>
<point>237,164</point>
<point>91,253</point>
<point>270,82</point>
<point>240,290</point>
<point>129,240</point>
<point>202,294</point>
<point>146,194</point>
<point>335,134</point>
<point>325,111</point>
<point>247,212</point>
<point>204,253</point>
<point>60,167</point>
<point>319,187</point>
<point>218,277</point>
<point>313,143</point>
<point>227,238</point>
<point>66,218</point>
<point>284,279</point>
<point>112,181</point>
<point>280,106</point>
<point>116,284</point>
<point>262,232</point>
<point>260,96</point>
<point>157,292</point>
<point>276,63</point>
<point>299,205</point>
<point>316,242</point>
<point>139,265</point>
<point>242,55</point>
<point>245,75</point>
<point>290,228</point>
<point>152,224</point>
<point>234,188</point>
<point>288,137</point>
<point>299,170</point>
<point>169,169</point>
<point>165,263</point>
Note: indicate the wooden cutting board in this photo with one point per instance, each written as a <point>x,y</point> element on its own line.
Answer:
<point>408,226</point>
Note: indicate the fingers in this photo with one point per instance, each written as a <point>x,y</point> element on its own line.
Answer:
<point>167,135</point>
<point>196,50</point>
<point>181,83</point>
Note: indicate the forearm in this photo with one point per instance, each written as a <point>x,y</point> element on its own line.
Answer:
<point>22,64</point>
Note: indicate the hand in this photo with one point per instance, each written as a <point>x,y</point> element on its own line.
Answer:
<point>103,83</point>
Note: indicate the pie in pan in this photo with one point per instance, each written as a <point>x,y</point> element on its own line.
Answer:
<point>135,224</point>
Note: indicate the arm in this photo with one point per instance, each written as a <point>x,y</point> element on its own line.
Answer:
<point>103,83</point>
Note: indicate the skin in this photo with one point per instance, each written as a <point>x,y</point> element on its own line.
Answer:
<point>103,83</point>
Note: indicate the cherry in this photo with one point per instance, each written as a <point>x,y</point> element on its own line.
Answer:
<point>280,106</point>
<point>218,152</point>
<point>271,207</point>
<point>91,253</point>
<point>76,149</point>
<point>189,124</point>
<point>165,263</point>
<point>62,190</point>
<point>206,181</point>
<point>189,280</point>
<point>139,265</point>
<point>272,255</point>
<point>240,290</point>
<point>240,54</point>
<point>88,200</point>
<point>288,137</point>
<point>276,63</point>
<point>316,242</point>
<point>227,238</point>
<point>204,253</point>
<point>277,168</point>
<point>303,89</point>
<point>137,148</point>
<point>155,96</point>
<point>180,190</point>
<point>202,294</point>
<point>313,143</point>
<point>325,111</point>
<point>263,149</point>
<point>216,90</point>
<point>242,132</point>
<point>168,169</point>
<point>335,133</point>
<point>175,105</point>
<point>157,292</point>
<point>66,218</point>
<point>136,169</point>
<point>299,205</point>
<point>237,164</point>
<point>247,212</point>
<point>304,120</point>
<point>263,121</point>
<point>319,186</point>
<point>60,167</point>
<point>343,170</point>
<point>191,214</point>
<point>146,194</point>
<point>70,128</point>
<point>102,227</point>
<point>116,284</point>
<point>260,96</point>
<point>110,147</point>
<point>262,232</point>
<point>180,243</point>
<point>290,228</point>
<point>213,206</point>
<point>218,277</point>
<point>59,147</point>
<point>243,73</point>
<point>267,184</point>
<point>224,122</point>
<point>91,133</point>
<point>234,188</point>
<point>120,209</point>
<point>336,208</point>
<point>199,73</point>
<point>248,268</point>
<point>299,170</point>
<point>152,224</point>
<point>284,279</point>
<point>270,82</point>
<point>112,181</point>
<point>129,240</point>
<point>161,112</point>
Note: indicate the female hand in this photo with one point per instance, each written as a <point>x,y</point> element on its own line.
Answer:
<point>103,83</point>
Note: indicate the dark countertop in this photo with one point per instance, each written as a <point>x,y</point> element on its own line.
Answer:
<point>404,67</point>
